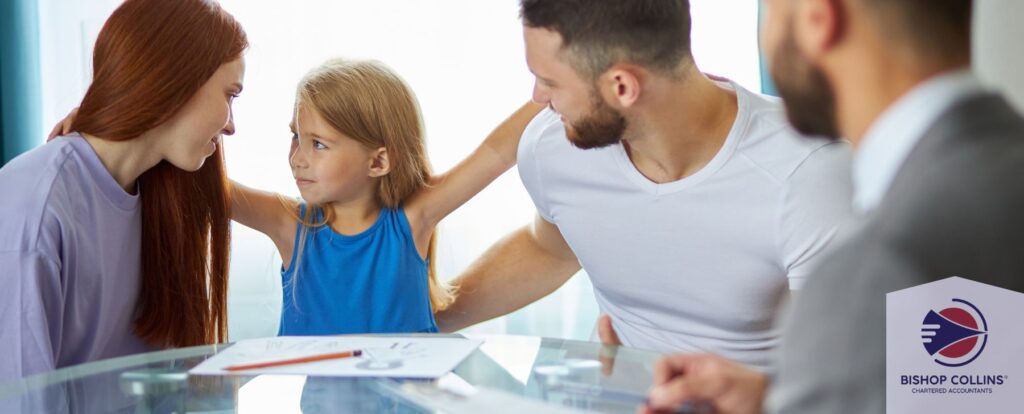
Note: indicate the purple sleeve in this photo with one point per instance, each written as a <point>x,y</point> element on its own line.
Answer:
<point>31,313</point>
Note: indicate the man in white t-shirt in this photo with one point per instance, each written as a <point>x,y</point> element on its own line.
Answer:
<point>690,202</point>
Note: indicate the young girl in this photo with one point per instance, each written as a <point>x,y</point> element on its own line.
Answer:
<point>358,251</point>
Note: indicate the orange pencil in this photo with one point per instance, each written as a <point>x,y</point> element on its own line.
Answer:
<point>313,358</point>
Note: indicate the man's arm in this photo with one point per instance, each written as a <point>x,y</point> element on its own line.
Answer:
<point>518,270</point>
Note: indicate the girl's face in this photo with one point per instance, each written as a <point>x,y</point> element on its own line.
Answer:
<point>194,132</point>
<point>328,166</point>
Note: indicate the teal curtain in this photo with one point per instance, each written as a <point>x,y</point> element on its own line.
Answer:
<point>767,87</point>
<point>20,90</point>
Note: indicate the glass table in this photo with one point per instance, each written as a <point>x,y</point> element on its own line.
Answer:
<point>571,374</point>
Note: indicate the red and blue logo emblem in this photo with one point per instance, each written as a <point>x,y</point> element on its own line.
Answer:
<point>956,335</point>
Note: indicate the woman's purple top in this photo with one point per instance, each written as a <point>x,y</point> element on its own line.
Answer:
<point>69,261</point>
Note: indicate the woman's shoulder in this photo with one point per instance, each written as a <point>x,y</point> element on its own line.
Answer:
<point>30,184</point>
<point>50,186</point>
<point>42,161</point>
<point>31,176</point>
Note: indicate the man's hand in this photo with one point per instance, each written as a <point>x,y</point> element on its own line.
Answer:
<point>606,331</point>
<point>728,387</point>
<point>611,342</point>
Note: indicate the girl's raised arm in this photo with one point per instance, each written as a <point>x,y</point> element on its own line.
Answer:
<point>450,190</point>
<point>267,212</point>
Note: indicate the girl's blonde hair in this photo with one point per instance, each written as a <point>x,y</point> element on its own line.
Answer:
<point>370,103</point>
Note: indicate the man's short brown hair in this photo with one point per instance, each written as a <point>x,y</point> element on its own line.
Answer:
<point>654,34</point>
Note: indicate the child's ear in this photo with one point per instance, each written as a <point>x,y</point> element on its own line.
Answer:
<point>380,162</point>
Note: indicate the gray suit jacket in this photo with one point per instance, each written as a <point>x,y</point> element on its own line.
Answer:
<point>955,208</point>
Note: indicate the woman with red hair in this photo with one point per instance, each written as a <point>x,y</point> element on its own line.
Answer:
<point>114,240</point>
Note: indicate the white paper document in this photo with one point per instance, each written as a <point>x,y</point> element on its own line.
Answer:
<point>393,356</point>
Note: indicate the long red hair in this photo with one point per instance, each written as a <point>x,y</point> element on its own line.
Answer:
<point>150,58</point>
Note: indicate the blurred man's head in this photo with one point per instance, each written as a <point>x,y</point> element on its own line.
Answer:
<point>573,46</point>
<point>802,38</point>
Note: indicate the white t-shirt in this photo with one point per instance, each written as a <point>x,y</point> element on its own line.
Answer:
<point>704,263</point>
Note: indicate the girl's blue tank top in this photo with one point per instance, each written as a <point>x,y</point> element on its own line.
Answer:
<point>372,282</point>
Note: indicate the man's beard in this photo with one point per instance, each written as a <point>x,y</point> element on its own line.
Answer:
<point>602,127</point>
<point>805,91</point>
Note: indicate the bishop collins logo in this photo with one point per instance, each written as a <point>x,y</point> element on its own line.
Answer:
<point>953,377</point>
<point>956,335</point>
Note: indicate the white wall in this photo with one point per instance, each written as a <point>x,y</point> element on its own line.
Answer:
<point>67,32</point>
<point>999,46</point>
